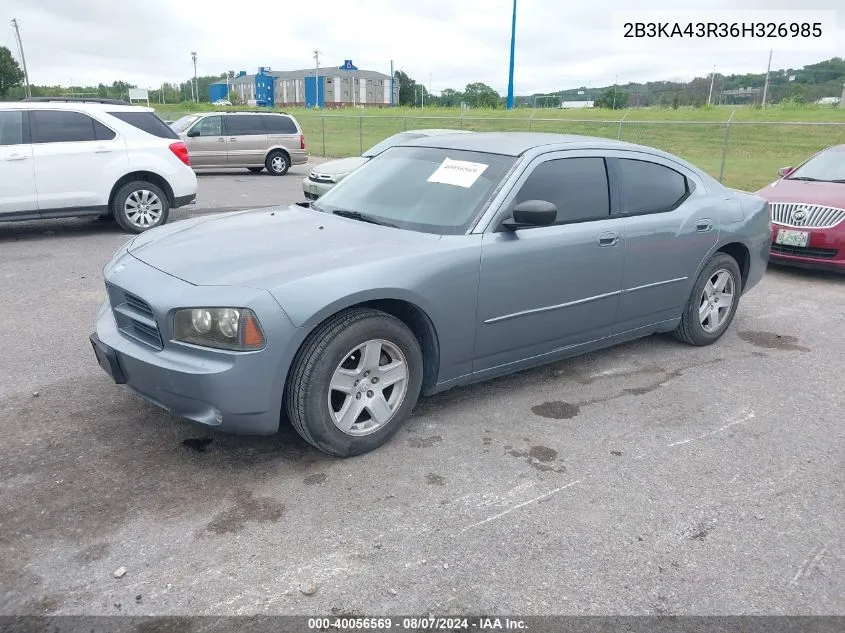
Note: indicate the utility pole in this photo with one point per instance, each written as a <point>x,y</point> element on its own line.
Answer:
<point>513,49</point>
<point>615,81</point>
<point>712,78</point>
<point>842,98</point>
<point>317,78</point>
<point>392,79</point>
<point>27,90</point>
<point>766,85</point>
<point>196,87</point>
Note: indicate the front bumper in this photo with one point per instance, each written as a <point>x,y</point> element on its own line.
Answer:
<point>182,201</point>
<point>235,392</point>
<point>314,190</point>
<point>825,249</point>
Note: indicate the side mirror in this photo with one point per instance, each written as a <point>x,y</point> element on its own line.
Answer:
<point>783,172</point>
<point>193,133</point>
<point>531,213</point>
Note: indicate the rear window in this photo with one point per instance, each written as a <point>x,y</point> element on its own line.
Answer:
<point>279,124</point>
<point>148,122</point>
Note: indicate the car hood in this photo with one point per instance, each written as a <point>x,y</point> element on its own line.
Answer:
<point>268,247</point>
<point>342,166</point>
<point>828,194</point>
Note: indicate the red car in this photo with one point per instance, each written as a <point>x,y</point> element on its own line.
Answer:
<point>808,212</point>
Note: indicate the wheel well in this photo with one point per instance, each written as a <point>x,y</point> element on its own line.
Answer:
<point>281,150</point>
<point>743,258</point>
<point>145,176</point>
<point>420,325</point>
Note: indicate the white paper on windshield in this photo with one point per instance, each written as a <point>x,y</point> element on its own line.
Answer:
<point>461,173</point>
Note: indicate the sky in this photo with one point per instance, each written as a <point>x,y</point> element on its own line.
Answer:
<point>440,43</point>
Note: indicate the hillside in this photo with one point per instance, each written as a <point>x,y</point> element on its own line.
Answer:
<point>802,85</point>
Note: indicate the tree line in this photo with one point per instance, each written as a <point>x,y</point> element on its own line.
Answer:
<point>803,85</point>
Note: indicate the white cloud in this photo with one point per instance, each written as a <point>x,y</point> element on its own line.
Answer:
<point>455,41</point>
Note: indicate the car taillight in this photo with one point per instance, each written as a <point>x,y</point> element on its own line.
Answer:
<point>301,141</point>
<point>181,151</point>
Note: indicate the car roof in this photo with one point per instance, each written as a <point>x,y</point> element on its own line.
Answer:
<point>517,143</point>
<point>73,105</point>
<point>436,131</point>
<point>231,113</point>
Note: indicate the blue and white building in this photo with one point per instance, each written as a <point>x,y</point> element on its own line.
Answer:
<point>329,87</point>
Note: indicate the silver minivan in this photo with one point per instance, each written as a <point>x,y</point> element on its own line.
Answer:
<point>255,140</point>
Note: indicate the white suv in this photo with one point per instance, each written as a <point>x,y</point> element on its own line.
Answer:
<point>75,157</point>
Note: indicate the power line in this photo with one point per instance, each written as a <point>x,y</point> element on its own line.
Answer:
<point>23,59</point>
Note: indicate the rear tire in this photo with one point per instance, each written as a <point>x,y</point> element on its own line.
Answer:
<point>705,318</point>
<point>277,163</point>
<point>354,382</point>
<point>139,206</point>
<point>255,170</point>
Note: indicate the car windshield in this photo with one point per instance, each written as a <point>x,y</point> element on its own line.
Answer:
<point>183,123</point>
<point>827,166</point>
<point>424,189</point>
<point>389,142</point>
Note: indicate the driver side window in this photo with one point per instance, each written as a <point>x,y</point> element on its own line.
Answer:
<point>210,126</point>
<point>578,187</point>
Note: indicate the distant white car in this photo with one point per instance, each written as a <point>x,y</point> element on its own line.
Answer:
<point>75,157</point>
<point>327,175</point>
<point>223,102</point>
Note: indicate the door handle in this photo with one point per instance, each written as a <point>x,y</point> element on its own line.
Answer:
<point>102,150</point>
<point>17,157</point>
<point>608,239</point>
<point>221,140</point>
<point>702,226</point>
<point>232,138</point>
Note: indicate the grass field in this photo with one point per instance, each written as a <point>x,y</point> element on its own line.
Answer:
<point>758,143</point>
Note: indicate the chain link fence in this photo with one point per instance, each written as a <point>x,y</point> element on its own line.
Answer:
<point>741,154</point>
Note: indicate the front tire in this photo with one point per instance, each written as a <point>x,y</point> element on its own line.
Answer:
<point>712,303</point>
<point>354,382</point>
<point>139,206</point>
<point>277,163</point>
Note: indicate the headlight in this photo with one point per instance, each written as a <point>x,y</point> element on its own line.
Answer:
<point>222,328</point>
<point>320,177</point>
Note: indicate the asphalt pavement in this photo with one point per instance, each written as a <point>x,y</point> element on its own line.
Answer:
<point>652,478</point>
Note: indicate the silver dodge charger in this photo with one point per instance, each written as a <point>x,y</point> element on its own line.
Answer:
<point>443,261</point>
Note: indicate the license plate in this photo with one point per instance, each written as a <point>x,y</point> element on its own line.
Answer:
<point>792,238</point>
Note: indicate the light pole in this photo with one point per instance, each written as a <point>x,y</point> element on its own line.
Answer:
<point>317,78</point>
<point>27,89</point>
<point>196,90</point>
<point>513,48</point>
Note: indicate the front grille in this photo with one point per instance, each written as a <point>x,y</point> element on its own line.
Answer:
<point>809,216</point>
<point>821,253</point>
<point>139,304</point>
<point>317,177</point>
<point>134,317</point>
